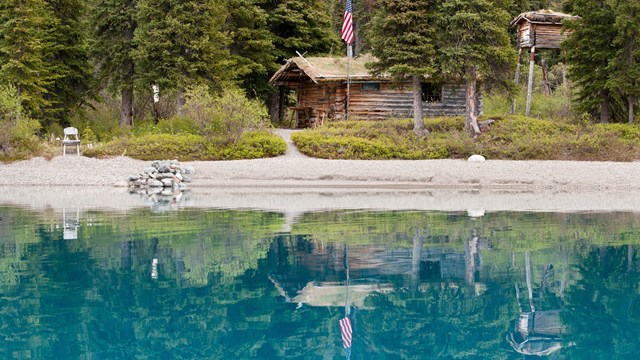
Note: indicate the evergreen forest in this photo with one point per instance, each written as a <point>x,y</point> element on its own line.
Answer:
<point>117,69</point>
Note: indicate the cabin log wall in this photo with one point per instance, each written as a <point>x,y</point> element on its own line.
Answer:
<point>392,100</point>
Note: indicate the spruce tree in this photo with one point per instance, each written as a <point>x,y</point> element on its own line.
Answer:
<point>303,26</point>
<point>180,43</point>
<point>22,43</point>
<point>114,23</point>
<point>403,38</point>
<point>252,45</point>
<point>474,44</point>
<point>67,60</point>
<point>624,68</point>
<point>590,48</point>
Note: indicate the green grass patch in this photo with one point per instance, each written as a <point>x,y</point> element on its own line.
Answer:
<point>191,147</point>
<point>509,138</point>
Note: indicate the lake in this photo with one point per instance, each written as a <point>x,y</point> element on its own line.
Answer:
<point>171,281</point>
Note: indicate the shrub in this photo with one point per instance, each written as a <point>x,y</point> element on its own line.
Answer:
<point>512,137</point>
<point>153,147</point>
<point>223,119</point>
<point>103,117</point>
<point>190,147</point>
<point>88,136</point>
<point>369,140</point>
<point>177,125</point>
<point>17,131</point>
<point>251,145</point>
<point>557,106</point>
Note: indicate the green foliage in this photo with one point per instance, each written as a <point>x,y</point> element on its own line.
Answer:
<point>88,136</point>
<point>22,51</point>
<point>113,23</point>
<point>250,145</point>
<point>153,147</point>
<point>300,25</point>
<point>190,147</point>
<point>403,38</point>
<point>474,34</point>
<point>177,125</point>
<point>252,46</point>
<point>224,118</point>
<point>43,54</point>
<point>556,106</point>
<point>67,59</point>
<point>102,117</point>
<point>624,68</point>
<point>513,137</point>
<point>603,51</point>
<point>17,131</point>
<point>179,44</point>
<point>374,140</point>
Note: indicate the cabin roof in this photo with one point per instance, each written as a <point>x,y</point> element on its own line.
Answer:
<point>324,69</point>
<point>548,17</point>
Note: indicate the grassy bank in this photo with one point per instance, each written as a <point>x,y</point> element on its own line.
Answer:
<point>508,138</point>
<point>190,147</point>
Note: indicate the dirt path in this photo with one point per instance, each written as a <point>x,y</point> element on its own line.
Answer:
<point>292,150</point>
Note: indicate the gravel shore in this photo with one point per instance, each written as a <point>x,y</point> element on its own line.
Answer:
<point>297,170</point>
<point>594,183</point>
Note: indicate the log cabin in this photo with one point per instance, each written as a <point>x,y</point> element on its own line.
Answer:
<point>321,85</point>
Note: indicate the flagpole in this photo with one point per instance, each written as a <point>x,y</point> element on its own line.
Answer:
<point>349,56</point>
<point>347,36</point>
<point>347,306</point>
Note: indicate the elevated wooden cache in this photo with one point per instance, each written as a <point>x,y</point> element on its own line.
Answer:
<point>541,28</point>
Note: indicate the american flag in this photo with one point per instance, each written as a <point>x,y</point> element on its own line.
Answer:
<point>347,24</point>
<point>345,329</point>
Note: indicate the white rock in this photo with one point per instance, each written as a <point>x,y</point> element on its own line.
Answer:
<point>475,213</point>
<point>476,158</point>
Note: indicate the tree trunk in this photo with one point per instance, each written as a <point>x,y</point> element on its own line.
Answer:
<point>471,120</point>
<point>604,109</point>
<point>416,256</point>
<point>470,254</point>
<point>282,103</point>
<point>156,99</point>
<point>564,69</point>
<point>126,108</point>
<point>545,77</point>
<point>273,103</point>
<point>418,119</point>
<point>180,100</point>
<point>631,109</point>
<point>516,81</point>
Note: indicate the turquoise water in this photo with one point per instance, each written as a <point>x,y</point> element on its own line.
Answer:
<point>220,284</point>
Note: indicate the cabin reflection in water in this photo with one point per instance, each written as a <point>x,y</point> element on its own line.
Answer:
<point>313,273</point>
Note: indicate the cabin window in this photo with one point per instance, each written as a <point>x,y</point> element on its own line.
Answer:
<point>370,86</point>
<point>432,92</point>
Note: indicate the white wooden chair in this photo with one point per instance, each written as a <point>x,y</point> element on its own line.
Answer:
<point>70,139</point>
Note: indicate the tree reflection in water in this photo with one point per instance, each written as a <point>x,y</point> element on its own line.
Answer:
<point>222,284</point>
